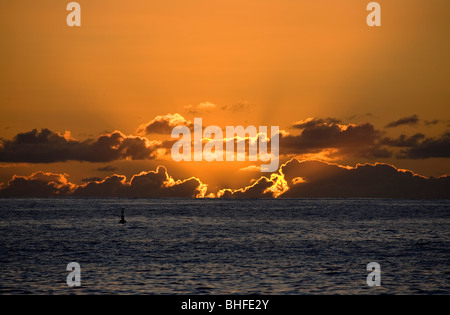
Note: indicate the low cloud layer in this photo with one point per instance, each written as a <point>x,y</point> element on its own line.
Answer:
<point>153,184</point>
<point>314,179</point>
<point>38,185</point>
<point>295,179</point>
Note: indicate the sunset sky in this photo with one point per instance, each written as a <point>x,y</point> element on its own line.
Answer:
<point>102,98</point>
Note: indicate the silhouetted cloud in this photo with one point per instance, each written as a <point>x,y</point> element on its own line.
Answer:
<point>48,147</point>
<point>323,180</point>
<point>324,138</point>
<point>403,140</point>
<point>295,179</point>
<point>320,134</point>
<point>428,148</point>
<point>415,120</point>
<point>411,120</point>
<point>164,124</point>
<point>38,184</point>
<point>153,184</point>
<point>112,186</point>
<point>314,179</point>
<point>419,146</point>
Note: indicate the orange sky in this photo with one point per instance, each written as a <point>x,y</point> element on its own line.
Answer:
<point>260,62</point>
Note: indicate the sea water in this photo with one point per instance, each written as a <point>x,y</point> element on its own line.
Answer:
<point>213,247</point>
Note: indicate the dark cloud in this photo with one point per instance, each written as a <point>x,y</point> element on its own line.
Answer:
<point>112,186</point>
<point>411,120</point>
<point>414,120</point>
<point>321,134</point>
<point>46,146</point>
<point>314,179</point>
<point>362,140</point>
<point>322,180</point>
<point>295,179</point>
<point>419,146</point>
<point>160,184</point>
<point>404,141</point>
<point>371,153</point>
<point>164,125</point>
<point>154,184</point>
<point>429,148</point>
<point>38,184</point>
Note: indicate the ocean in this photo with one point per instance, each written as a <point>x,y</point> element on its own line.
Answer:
<point>224,247</point>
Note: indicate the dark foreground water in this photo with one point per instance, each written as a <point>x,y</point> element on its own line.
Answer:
<point>224,247</point>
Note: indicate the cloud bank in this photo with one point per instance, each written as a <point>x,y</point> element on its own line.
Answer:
<point>322,134</point>
<point>38,185</point>
<point>46,146</point>
<point>153,184</point>
<point>312,136</point>
<point>314,179</point>
<point>363,140</point>
<point>294,179</point>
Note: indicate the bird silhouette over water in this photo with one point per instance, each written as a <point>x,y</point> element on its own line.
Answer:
<point>123,221</point>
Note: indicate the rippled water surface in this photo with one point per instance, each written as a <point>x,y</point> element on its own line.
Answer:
<point>224,247</point>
